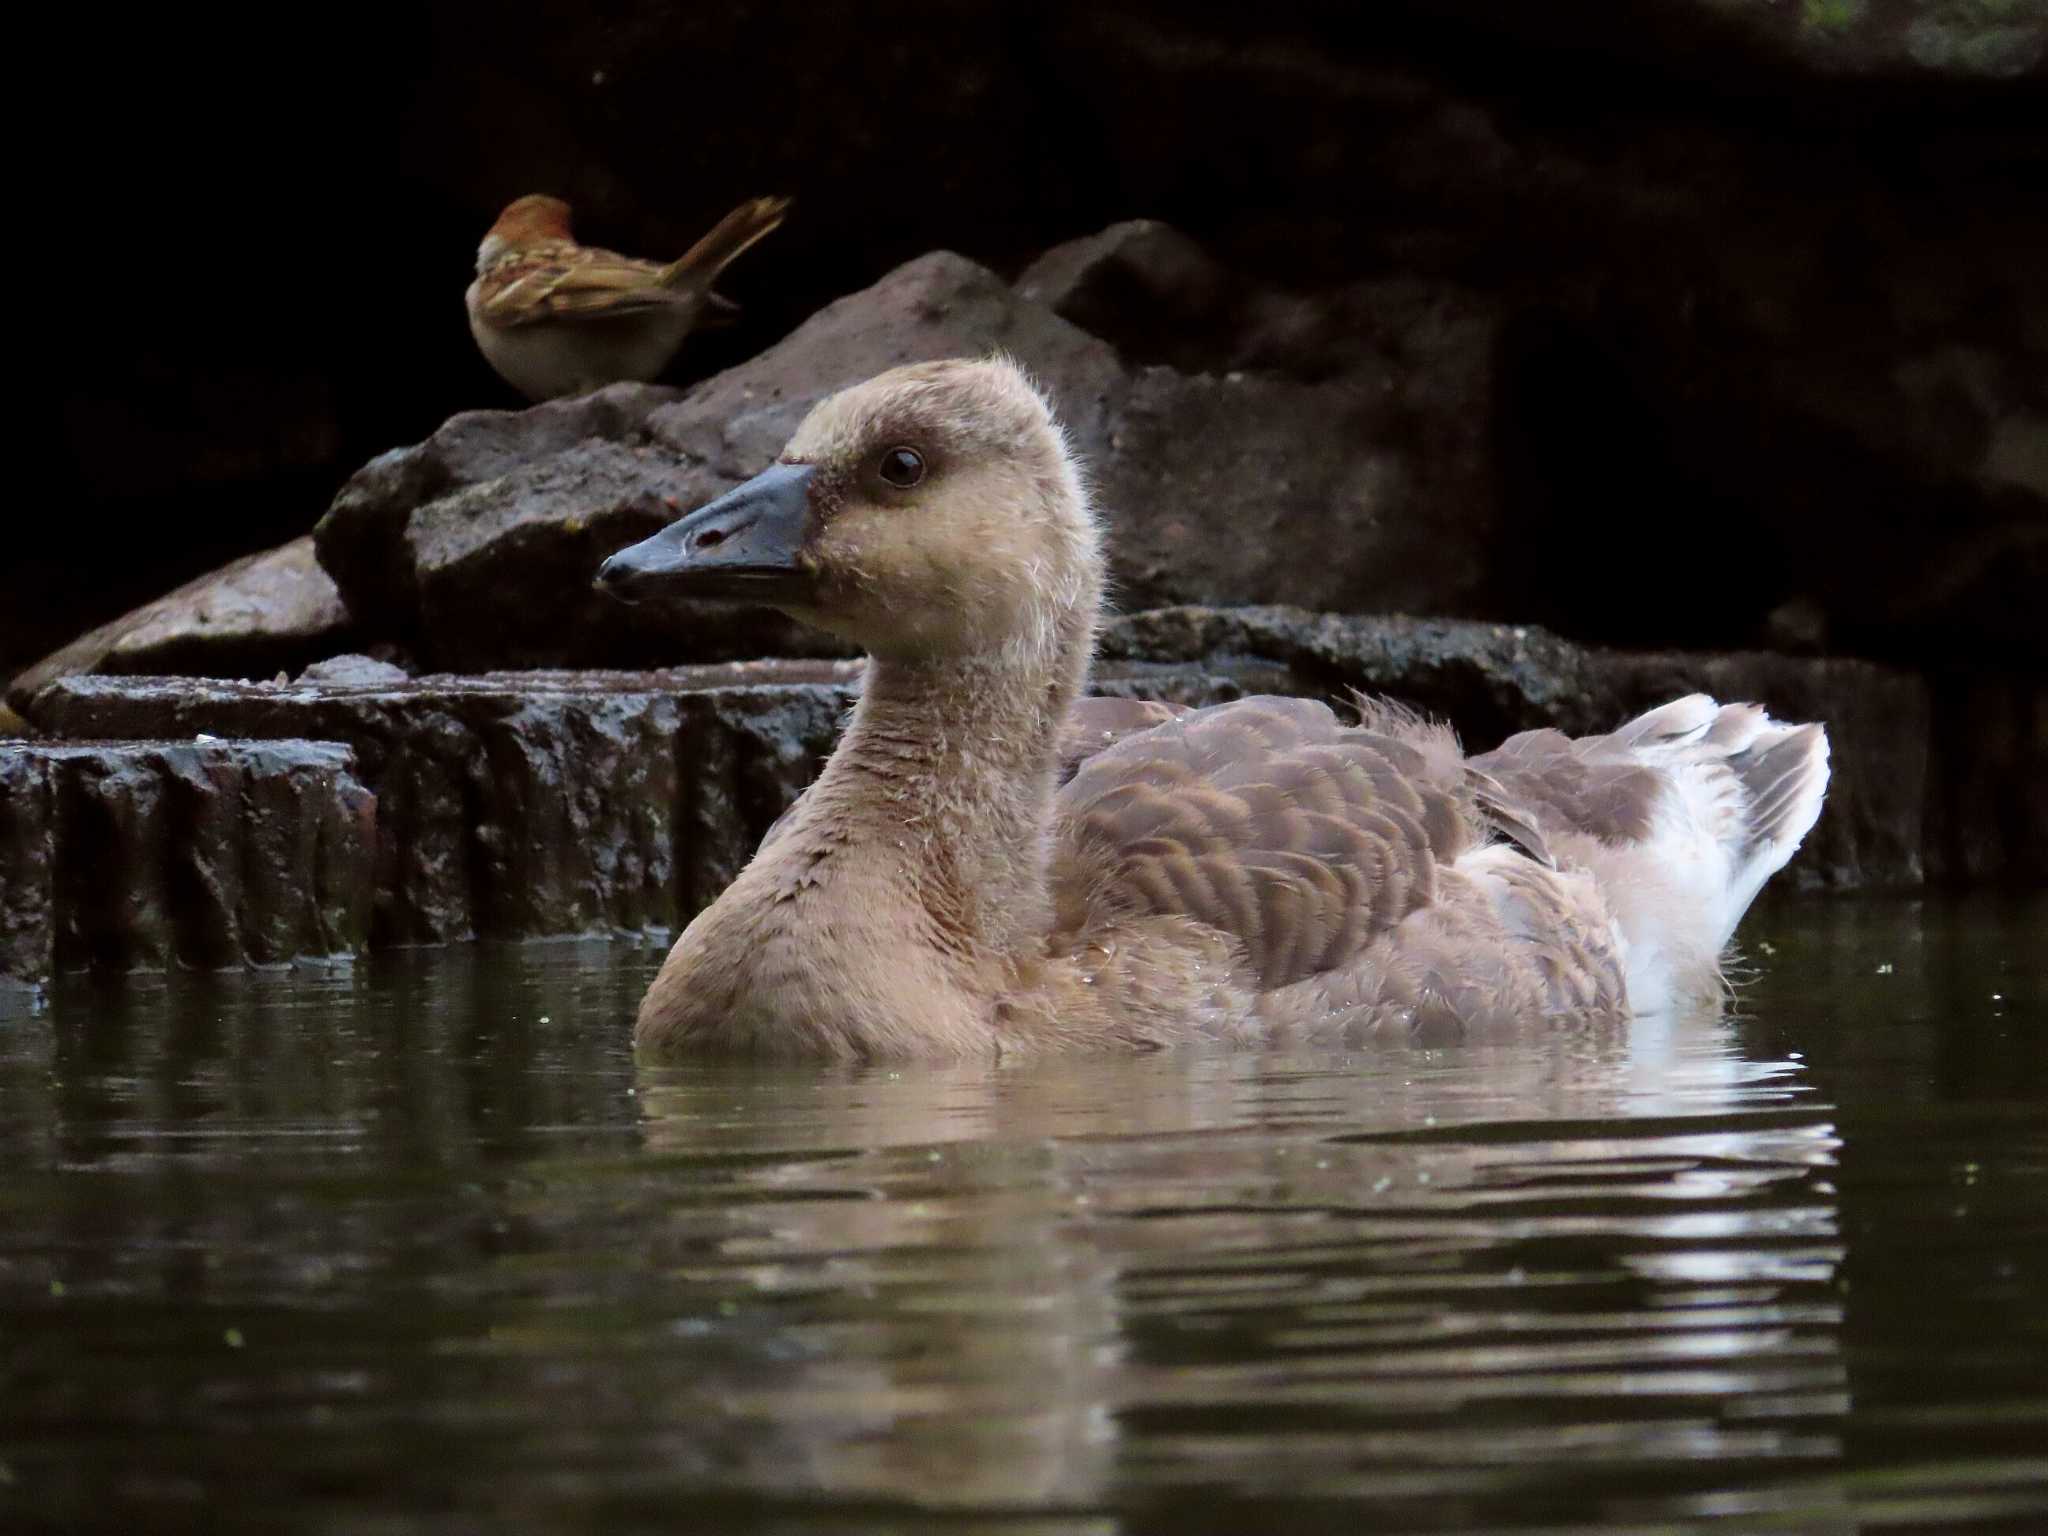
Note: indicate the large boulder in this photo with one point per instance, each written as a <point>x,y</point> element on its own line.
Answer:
<point>1367,487</point>
<point>475,548</point>
<point>266,612</point>
<point>1550,426</point>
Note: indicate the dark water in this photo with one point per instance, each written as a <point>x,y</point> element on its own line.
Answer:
<point>416,1249</point>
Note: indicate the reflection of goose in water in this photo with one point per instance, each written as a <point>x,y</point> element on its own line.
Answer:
<point>1437,1272</point>
<point>1252,869</point>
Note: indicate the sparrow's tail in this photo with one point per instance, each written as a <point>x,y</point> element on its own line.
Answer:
<point>700,265</point>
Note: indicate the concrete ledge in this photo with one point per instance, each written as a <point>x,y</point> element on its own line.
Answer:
<point>529,804</point>
<point>146,854</point>
<point>518,805</point>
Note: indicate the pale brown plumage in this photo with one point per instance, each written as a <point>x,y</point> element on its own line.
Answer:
<point>1273,821</point>
<point>990,862</point>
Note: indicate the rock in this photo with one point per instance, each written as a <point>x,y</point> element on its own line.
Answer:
<point>476,548</point>
<point>520,805</point>
<point>1964,39</point>
<point>1145,287</point>
<point>1159,297</point>
<point>1795,44</point>
<point>1966,427</point>
<point>140,855</point>
<point>353,671</point>
<point>1214,485</point>
<point>513,805</point>
<point>540,804</point>
<point>264,612</point>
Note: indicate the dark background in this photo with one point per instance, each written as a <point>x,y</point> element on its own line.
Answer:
<point>1774,363</point>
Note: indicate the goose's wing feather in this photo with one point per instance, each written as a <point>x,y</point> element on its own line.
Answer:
<point>1548,783</point>
<point>1094,723</point>
<point>1271,820</point>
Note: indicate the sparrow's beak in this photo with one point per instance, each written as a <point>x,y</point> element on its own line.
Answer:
<point>747,545</point>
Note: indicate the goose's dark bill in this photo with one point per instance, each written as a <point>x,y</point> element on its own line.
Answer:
<point>747,545</point>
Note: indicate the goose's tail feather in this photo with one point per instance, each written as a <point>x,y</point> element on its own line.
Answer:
<point>1681,815</point>
<point>1783,770</point>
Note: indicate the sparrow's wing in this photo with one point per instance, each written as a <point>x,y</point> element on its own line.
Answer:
<point>560,281</point>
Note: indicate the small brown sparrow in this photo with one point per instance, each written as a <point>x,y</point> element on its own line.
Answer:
<point>557,318</point>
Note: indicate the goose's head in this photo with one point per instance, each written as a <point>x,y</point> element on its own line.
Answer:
<point>931,512</point>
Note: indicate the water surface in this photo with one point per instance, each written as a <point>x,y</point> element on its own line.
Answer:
<point>414,1247</point>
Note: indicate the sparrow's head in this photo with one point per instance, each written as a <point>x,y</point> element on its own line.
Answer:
<point>529,221</point>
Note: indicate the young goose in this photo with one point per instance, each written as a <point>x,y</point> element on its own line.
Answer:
<point>1242,870</point>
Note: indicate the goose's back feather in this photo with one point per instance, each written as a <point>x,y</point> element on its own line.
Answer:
<point>1372,866</point>
<point>1097,721</point>
<point>1270,820</point>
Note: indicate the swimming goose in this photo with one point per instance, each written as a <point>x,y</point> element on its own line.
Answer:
<point>991,863</point>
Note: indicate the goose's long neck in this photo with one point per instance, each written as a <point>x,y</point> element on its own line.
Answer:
<point>951,762</point>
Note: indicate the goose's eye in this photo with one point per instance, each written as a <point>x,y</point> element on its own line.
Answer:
<point>902,467</point>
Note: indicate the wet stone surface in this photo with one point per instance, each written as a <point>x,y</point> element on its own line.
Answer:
<point>276,609</point>
<point>146,854</point>
<point>519,805</point>
<point>506,805</point>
